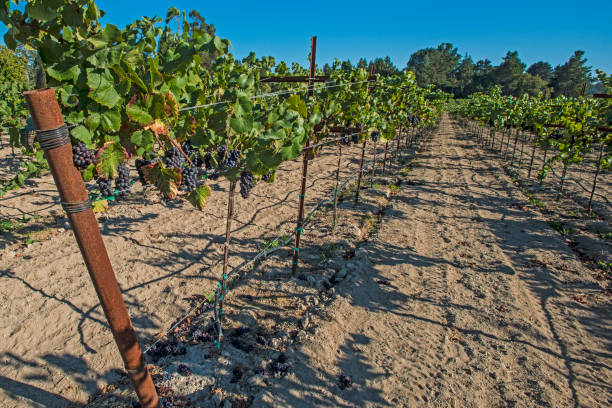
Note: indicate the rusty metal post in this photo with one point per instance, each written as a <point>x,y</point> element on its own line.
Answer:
<point>335,220</point>
<point>373,173</point>
<point>228,232</point>
<point>385,158</point>
<point>533,152</point>
<point>589,208</point>
<point>522,147</point>
<point>363,148</point>
<point>300,221</point>
<point>565,166</point>
<point>54,138</point>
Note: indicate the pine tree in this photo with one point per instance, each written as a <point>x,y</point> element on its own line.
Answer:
<point>569,78</point>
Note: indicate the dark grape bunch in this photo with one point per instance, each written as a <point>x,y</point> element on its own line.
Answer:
<point>345,139</point>
<point>221,152</point>
<point>174,158</point>
<point>214,175</point>
<point>247,182</point>
<point>232,158</point>
<point>193,154</point>
<point>556,135</point>
<point>415,120</point>
<point>207,159</point>
<point>122,182</point>
<point>355,137</point>
<point>268,176</point>
<point>188,148</point>
<point>105,187</point>
<point>190,178</point>
<point>375,136</point>
<point>82,156</point>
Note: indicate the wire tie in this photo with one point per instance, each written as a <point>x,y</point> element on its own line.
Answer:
<point>296,249</point>
<point>299,229</point>
<point>302,196</point>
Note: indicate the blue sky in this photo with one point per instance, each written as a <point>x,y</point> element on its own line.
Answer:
<point>538,30</point>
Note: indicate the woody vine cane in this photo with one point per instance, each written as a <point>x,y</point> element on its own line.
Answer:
<point>52,135</point>
<point>363,148</point>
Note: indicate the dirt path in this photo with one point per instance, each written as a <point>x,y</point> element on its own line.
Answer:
<point>468,299</point>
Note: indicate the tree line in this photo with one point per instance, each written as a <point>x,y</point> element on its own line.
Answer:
<point>446,69</point>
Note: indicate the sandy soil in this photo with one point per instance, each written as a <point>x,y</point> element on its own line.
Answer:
<point>57,347</point>
<point>482,307</point>
<point>451,291</point>
<point>461,296</point>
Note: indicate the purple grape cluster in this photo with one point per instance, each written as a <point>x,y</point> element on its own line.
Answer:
<point>105,186</point>
<point>414,119</point>
<point>82,156</point>
<point>193,154</point>
<point>207,159</point>
<point>174,158</point>
<point>221,152</point>
<point>233,157</point>
<point>247,182</point>
<point>355,137</point>
<point>375,136</point>
<point>190,178</point>
<point>345,139</point>
<point>556,135</point>
<point>267,177</point>
<point>122,182</point>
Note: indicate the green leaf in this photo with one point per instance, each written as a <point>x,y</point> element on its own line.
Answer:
<point>101,84</point>
<point>110,34</point>
<point>297,104</point>
<point>43,10</point>
<point>167,180</point>
<point>241,125</point>
<point>199,196</point>
<point>111,121</point>
<point>109,158</point>
<point>138,114</point>
<point>14,137</point>
<point>219,44</point>
<point>100,206</point>
<point>92,121</point>
<point>81,133</point>
<point>88,173</point>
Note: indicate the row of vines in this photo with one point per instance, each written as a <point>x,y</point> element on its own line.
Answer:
<point>567,130</point>
<point>178,102</point>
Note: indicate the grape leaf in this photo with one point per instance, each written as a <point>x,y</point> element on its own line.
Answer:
<point>199,196</point>
<point>109,157</point>
<point>100,206</point>
<point>167,180</point>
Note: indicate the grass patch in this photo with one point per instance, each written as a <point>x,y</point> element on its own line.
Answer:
<point>559,227</point>
<point>329,251</point>
<point>607,235</point>
<point>532,199</point>
<point>14,225</point>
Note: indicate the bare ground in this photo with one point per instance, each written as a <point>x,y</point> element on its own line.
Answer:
<point>464,296</point>
<point>452,291</point>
